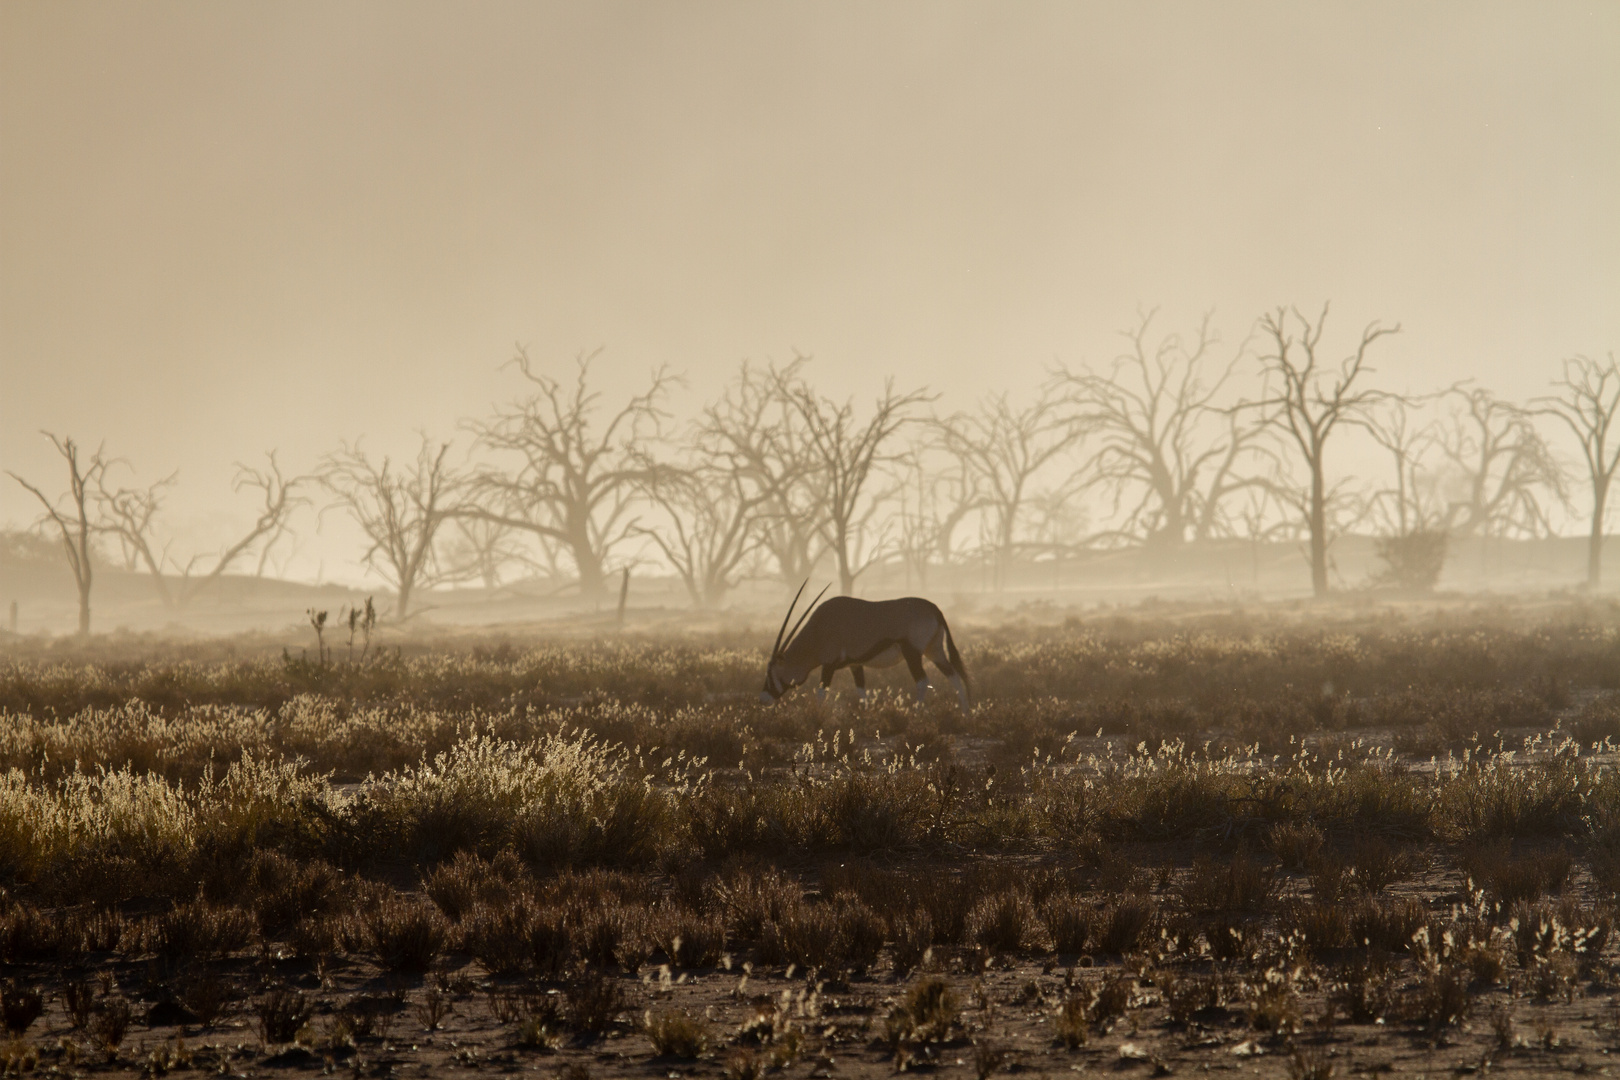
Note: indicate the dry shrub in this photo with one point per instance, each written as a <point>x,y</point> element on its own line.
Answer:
<point>467,880</point>
<point>28,935</point>
<point>930,1012</point>
<point>406,935</point>
<point>207,995</point>
<point>498,936</point>
<point>594,1002</point>
<point>110,1023</point>
<point>743,1065</point>
<point>1542,929</point>
<point>196,930</point>
<point>1386,924</point>
<point>1363,990</point>
<point>1126,925</point>
<point>1325,926</point>
<point>1071,924</point>
<point>102,930</point>
<point>827,937</point>
<point>1240,884</point>
<point>291,890</point>
<point>1004,922</point>
<point>315,937</point>
<point>1111,999</point>
<point>1375,865</point>
<point>1295,843</point>
<point>757,897</point>
<point>913,940</point>
<point>675,1034</point>
<point>1187,995</point>
<point>1440,999</point>
<point>1311,1063</point>
<point>1509,878</point>
<point>692,939</point>
<point>282,1013</point>
<point>78,998</point>
<point>20,1006</point>
<point>1073,1021</point>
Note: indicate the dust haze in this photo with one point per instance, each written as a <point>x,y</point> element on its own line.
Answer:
<point>1024,307</point>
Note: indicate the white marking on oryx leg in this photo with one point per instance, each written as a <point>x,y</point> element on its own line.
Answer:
<point>961,690</point>
<point>821,692</point>
<point>922,689</point>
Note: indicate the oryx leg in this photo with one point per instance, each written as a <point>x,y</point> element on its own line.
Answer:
<point>827,671</point>
<point>860,680</point>
<point>914,664</point>
<point>936,653</point>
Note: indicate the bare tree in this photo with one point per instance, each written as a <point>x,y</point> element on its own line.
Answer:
<point>572,484</point>
<point>1005,448</point>
<point>755,432</point>
<point>129,514</point>
<point>1166,450</point>
<point>937,491</point>
<point>400,509</point>
<point>713,525</point>
<point>1504,470</point>
<point>1587,403</point>
<point>1309,401</point>
<point>479,550</point>
<point>846,455</point>
<point>74,522</point>
<point>1408,506</point>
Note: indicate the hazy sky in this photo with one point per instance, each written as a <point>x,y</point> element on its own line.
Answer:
<point>230,227</point>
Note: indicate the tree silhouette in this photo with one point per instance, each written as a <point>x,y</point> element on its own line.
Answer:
<point>847,454</point>
<point>1308,403</point>
<point>399,508</point>
<point>574,483</point>
<point>1165,449</point>
<point>1589,399</point>
<point>74,523</point>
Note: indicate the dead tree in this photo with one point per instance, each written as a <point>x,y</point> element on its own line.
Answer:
<point>712,528</point>
<point>1166,450</point>
<point>1006,448</point>
<point>75,523</point>
<point>479,550</point>
<point>936,492</point>
<point>1410,520</point>
<point>1503,471</point>
<point>1588,400</point>
<point>129,514</point>
<point>847,455</point>
<point>1410,505</point>
<point>1307,401</point>
<point>754,432</point>
<point>400,509</point>
<point>570,483</point>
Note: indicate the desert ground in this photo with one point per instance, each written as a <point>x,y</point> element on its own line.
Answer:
<point>1297,840</point>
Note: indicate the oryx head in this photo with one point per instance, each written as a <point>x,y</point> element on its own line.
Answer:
<point>779,678</point>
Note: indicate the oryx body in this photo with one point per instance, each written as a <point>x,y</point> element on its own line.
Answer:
<point>858,634</point>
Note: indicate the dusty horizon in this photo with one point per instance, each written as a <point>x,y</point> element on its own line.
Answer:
<point>229,230</point>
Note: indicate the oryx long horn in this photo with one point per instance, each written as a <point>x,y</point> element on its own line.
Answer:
<point>807,612</point>
<point>776,650</point>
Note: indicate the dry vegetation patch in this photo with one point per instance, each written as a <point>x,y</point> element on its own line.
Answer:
<point>1313,850</point>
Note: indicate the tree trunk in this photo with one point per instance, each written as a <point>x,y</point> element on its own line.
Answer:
<point>1594,543</point>
<point>404,600</point>
<point>846,578</point>
<point>84,607</point>
<point>1318,523</point>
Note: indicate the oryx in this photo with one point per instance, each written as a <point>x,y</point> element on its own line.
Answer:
<point>858,634</point>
